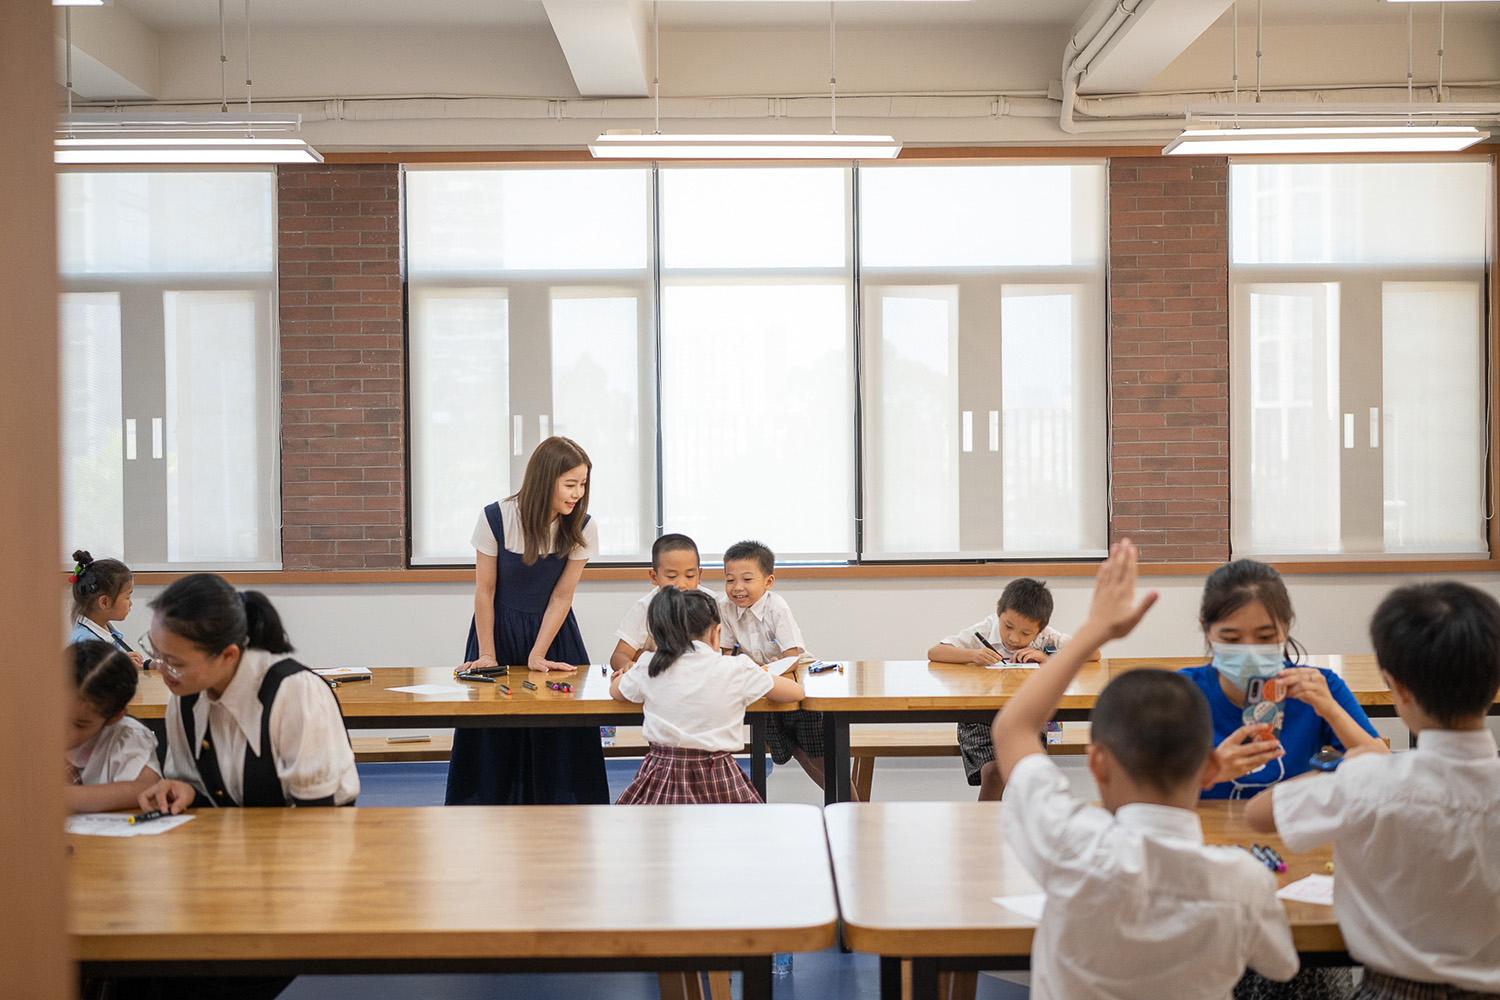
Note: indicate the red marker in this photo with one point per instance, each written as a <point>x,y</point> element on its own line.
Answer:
<point>565,688</point>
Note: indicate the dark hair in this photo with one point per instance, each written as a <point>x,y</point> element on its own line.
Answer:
<point>675,618</point>
<point>1028,598</point>
<point>205,610</point>
<point>1442,641</point>
<point>1235,584</point>
<point>671,543</point>
<point>762,555</point>
<point>1157,724</point>
<point>96,578</point>
<point>104,676</point>
<point>552,459</point>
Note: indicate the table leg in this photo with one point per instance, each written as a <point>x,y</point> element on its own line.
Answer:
<point>757,985</point>
<point>758,752</point>
<point>890,978</point>
<point>837,786</point>
<point>924,979</point>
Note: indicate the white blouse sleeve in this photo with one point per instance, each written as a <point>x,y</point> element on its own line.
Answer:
<point>130,749</point>
<point>590,547</point>
<point>313,757</point>
<point>484,539</point>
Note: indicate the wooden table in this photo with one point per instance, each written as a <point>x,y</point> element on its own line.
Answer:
<point>918,691</point>
<point>915,881</point>
<point>457,889</point>
<point>372,705</point>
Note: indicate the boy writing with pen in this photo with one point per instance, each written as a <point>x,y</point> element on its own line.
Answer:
<point>1017,633</point>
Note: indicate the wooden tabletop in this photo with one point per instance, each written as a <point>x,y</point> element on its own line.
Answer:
<point>372,701</point>
<point>916,879</point>
<point>885,685</point>
<point>460,882</point>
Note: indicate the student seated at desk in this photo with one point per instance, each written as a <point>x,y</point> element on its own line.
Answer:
<point>694,704</point>
<point>674,563</point>
<point>111,757</point>
<point>101,591</point>
<point>1416,835</point>
<point>1018,632</point>
<point>1137,906</point>
<point>247,725</point>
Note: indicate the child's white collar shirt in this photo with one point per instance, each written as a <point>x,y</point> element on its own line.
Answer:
<point>633,630</point>
<point>1048,637</point>
<point>698,703</point>
<point>1137,906</point>
<point>1416,849</point>
<point>117,752</point>
<point>315,760</point>
<point>764,630</point>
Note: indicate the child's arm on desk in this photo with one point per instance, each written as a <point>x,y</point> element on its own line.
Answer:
<point>111,796</point>
<point>1113,613</point>
<point>945,653</point>
<point>623,656</point>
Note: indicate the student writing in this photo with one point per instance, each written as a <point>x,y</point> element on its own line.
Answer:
<point>111,757</point>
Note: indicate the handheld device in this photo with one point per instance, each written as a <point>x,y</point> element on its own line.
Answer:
<point>1263,703</point>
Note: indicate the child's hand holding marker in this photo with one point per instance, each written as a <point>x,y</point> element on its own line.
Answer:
<point>988,655</point>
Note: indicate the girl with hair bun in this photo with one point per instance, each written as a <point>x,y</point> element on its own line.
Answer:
<point>101,590</point>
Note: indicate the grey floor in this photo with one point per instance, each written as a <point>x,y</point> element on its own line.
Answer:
<point>815,976</point>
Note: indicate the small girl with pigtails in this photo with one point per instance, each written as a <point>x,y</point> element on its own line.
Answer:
<point>101,590</point>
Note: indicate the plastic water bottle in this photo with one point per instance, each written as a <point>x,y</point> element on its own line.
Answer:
<point>782,965</point>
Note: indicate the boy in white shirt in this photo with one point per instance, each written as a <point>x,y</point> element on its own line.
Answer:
<point>674,563</point>
<point>1416,835</point>
<point>1137,906</point>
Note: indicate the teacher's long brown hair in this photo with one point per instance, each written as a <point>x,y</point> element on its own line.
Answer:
<point>552,458</point>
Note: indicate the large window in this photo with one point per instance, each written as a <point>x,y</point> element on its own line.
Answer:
<point>169,387</point>
<point>932,388</point>
<point>1358,357</point>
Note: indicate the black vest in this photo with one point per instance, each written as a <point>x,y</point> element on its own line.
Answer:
<point>261,785</point>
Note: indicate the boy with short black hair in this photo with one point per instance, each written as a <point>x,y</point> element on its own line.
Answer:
<point>1018,632</point>
<point>1416,835</point>
<point>674,563</point>
<point>1137,906</point>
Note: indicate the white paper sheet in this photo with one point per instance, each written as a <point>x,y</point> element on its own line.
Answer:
<point>778,667</point>
<point>119,825</point>
<point>1312,889</point>
<point>430,689</point>
<point>1005,665</point>
<point>1027,904</point>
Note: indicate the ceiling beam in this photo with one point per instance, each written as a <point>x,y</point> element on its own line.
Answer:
<point>1157,33</point>
<point>115,56</point>
<point>607,44</point>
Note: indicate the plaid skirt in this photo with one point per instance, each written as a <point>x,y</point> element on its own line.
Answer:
<point>786,731</point>
<point>1379,986</point>
<point>677,776</point>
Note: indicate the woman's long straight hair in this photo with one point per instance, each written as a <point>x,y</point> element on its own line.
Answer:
<point>552,459</point>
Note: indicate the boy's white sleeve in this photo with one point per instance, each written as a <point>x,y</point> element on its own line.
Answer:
<point>1309,811</point>
<point>726,624</point>
<point>1045,824</point>
<point>1271,952</point>
<point>633,630</point>
<point>966,639</point>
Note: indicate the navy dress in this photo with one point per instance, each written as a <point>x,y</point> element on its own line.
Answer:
<point>521,766</point>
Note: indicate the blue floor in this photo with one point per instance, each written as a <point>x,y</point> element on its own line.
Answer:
<point>823,975</point>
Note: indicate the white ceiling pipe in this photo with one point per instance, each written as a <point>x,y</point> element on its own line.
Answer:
<point>1098,26</point>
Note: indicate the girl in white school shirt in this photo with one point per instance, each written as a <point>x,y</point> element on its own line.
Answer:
<point>111,757</point>
<point>102,590</point>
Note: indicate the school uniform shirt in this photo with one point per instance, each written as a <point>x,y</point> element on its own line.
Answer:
<point>313,757</point>
<point>763,630</point>
<point>1047,638</point>
<point>484,540</point>
<point>698,703</point>
<point>1416,848</point>
<point>85,630</point>
<point>633,631</point>
<point>1303,731</point>
<point>1137,905</point>
<point>118,752</point>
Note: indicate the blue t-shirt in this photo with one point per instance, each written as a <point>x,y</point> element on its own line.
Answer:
<point>1303,731</point>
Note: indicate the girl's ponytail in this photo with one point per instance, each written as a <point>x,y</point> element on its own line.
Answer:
<point>264,624</point>
<point>205,610</point>
<point>676,618</point>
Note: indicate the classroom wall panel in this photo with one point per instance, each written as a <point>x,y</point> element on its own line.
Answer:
<point>343,476</point>
<point>1169,356</point>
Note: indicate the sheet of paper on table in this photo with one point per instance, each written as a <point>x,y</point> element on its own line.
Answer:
<point>1312,889</point>
<point>1027,904</point>
<point>119,825</point>
<point>430,689</point>
<point>778,667</point>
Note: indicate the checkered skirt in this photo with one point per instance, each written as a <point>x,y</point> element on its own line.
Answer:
<point>1379,986</point>
<point>677,776</point>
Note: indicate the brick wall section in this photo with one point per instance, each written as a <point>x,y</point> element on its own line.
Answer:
<point>1169,356</point>
<point>342,437</point>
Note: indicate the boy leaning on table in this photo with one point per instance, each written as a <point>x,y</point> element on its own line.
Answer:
<point>1416,835</point>
<point>1137,906</point>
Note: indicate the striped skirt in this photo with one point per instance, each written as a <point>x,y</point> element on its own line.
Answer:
<point>676,776</point>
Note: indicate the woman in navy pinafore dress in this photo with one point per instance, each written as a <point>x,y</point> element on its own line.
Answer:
<point>554,765</point>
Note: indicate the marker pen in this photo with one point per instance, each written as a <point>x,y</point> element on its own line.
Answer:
<point>822,667</point>
<point>505,690</point>
<point>564,687</point>
<point>528,685</point>
<point>143,817</point>
<point>475,677</point>
<point>1275,859</point>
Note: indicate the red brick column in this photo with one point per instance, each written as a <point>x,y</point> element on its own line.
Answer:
<point>1169,356</point>
<point>343,481</point>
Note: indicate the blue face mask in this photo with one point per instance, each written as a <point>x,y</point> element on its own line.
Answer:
<point>1238,663</point>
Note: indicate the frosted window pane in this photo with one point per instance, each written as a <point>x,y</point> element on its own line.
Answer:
<point>213,472</point>
<point>754,217</point>
<point>756,416</point>
<point>1295,427</point>
<point>92,426</point>
<point>527,220</point>
<point>1433,427</point>
<point>1040,422</point>
<point>1359,212</point>
<point>913,422</point>
<point>989,216</point>
<point>179,221</point>
<point>460,397</point>
<point>596,402</point>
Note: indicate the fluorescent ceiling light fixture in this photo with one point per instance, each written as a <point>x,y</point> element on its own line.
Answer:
<point>744,147</point>
<point>154,122</point>
<point>1337,139</point>
<point>83,3</point>
<point>148,150</point>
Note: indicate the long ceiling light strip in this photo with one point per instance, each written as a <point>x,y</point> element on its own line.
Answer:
<point>1335,139</point>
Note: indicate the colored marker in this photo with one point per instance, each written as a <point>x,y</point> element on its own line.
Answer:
<point>565,688</point>
<point>1275,859</point>
<point>505,690</point>
<point>145,816</point>
<point>1254,851</point>
<point>475,677</point>
<point>987,645</point>
<point>822,667</point>
<point>528,685</point>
